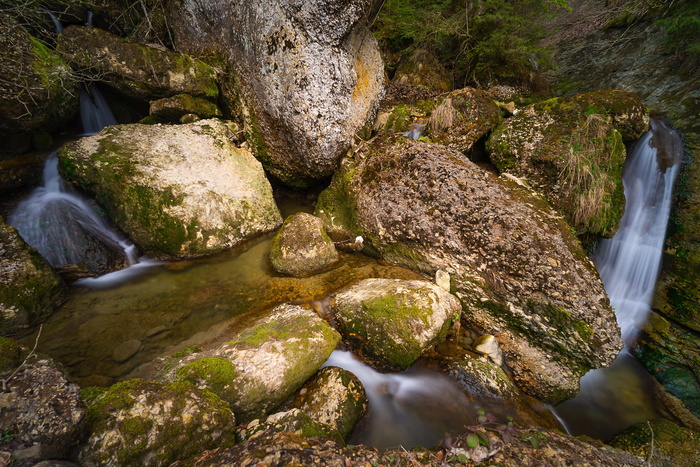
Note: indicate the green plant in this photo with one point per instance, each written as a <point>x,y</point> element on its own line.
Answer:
<point>485,423</point>
<point>682,25</point>
<point>534,438</point>
<point>7,436</point>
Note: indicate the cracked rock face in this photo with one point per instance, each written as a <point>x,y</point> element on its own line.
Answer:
<point>517,269</point>
<point>308,75</point>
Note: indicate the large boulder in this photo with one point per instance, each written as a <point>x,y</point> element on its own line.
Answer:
<point>661,442</point>
<point>394,321</point>
<point>302,246</point>
<point>37,88</point>
<point>137,422</point>
<point>134,69</point>
<point>29,288</point>
<point>519,272</point>
<point>309,75</point>
<point>39,403</point>
<point>263,365</point>
<point>176,191</point>
<point>572,150</point>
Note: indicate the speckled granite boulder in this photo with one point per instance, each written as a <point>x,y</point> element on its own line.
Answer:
<point>175,190</point>
<point>302,246</point>
<point>392,320</point>
<point>520,273</point>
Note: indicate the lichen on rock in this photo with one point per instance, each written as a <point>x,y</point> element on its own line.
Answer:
<point>519,272</point>
<point>302,246</point>
<point>394,321</point>
<point>176,191</point>
<point>264,364</point>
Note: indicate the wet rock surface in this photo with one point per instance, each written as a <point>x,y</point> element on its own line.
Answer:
<point>176,191</point>
<point>572,151</point>
<point>172,109</point>
<point>262,366</point>
<point>136,70</point>
<point>308,73</point>
<point>672,444</point>
<point>143,423</point>
<point>29,289</point>
<point>302,246</point>
<point>517,269</point>
<point>394,321</point>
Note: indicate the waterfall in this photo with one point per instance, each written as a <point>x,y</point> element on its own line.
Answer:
<point>94,111</point>
<point>614,398</point>
<point>629,262</point>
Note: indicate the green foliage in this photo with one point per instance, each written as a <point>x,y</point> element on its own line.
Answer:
<point>477,40</point>
<point>682,25</point>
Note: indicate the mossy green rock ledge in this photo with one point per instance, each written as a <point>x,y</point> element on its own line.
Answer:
<point>175,190</point>
<point>302,246</point>
<point>263,365</point>
<point>660,442</point>
<point>393,320</point>
<point>29,288</point>
<point>572,151</point>
<point>519,272</point>
<point>137,422</point>
<point>134,69</point>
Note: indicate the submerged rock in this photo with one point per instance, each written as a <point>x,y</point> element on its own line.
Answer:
<point>309,75</point>
<point>572,151</point>
<point>302,247</point>
<point>138,422</point>
<point>40,405</point>
<point>29,288</point>
<point>334,397</point>
<point>519,272</point>
<point>176,191</point>
<point>394,321</point>
<point>134,69</point>
<point>263,365</point>
<point>37,88</point>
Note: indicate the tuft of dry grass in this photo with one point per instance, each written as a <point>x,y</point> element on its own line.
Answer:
<point>444,117</point>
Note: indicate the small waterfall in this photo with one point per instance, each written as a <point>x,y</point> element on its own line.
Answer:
<point>56,22</point>
<point>614,398</point>
<point>94,111</point>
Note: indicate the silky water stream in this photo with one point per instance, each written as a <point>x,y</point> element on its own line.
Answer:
<point>117,326</point>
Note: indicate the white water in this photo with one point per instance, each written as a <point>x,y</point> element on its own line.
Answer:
<point>614,398</point>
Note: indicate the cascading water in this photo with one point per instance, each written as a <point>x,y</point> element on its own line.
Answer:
<point>61,224</point>
<point>613,398</point>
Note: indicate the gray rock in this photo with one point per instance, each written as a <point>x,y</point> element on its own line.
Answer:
<point>134,69</point>
<point>309,75</point>
<point>293,421</point>
<point>394,320</point>
<point>29,288</point>
<point>334,397</point>
<point>519,272</point>
<point>143,423</point>
<point>176,191</point>
<point>302,247</point>
<point>265,364</point>
<point>42,405</point>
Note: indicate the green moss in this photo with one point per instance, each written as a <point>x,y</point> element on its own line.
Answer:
<point>399,119</point>
<point>215,374</point>
<point>11,354</point>
<point>187,351</point>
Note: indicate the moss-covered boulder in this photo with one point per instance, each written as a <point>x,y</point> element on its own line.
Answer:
<point>422,69</point>
<point>394,321</point>
<point>265,364</point>
<point>572,151</point>
<point>302,246</point>
<point>462,117</point>
<point>176,191</point>
<point>39,404</point>
<point>660,442</point>
<point>136,70</point>
<point>38,90</point>
<point>671,353</point>
<point>137,422</point>
<point>172,109</point>
<point>334,397</point>
<point>308,77</point>
<point>518,270</point>
<point>293,421</point>
<point>29,288</point>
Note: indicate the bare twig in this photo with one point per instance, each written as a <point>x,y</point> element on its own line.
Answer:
<point>4,381</point>
<point>651,451</point>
